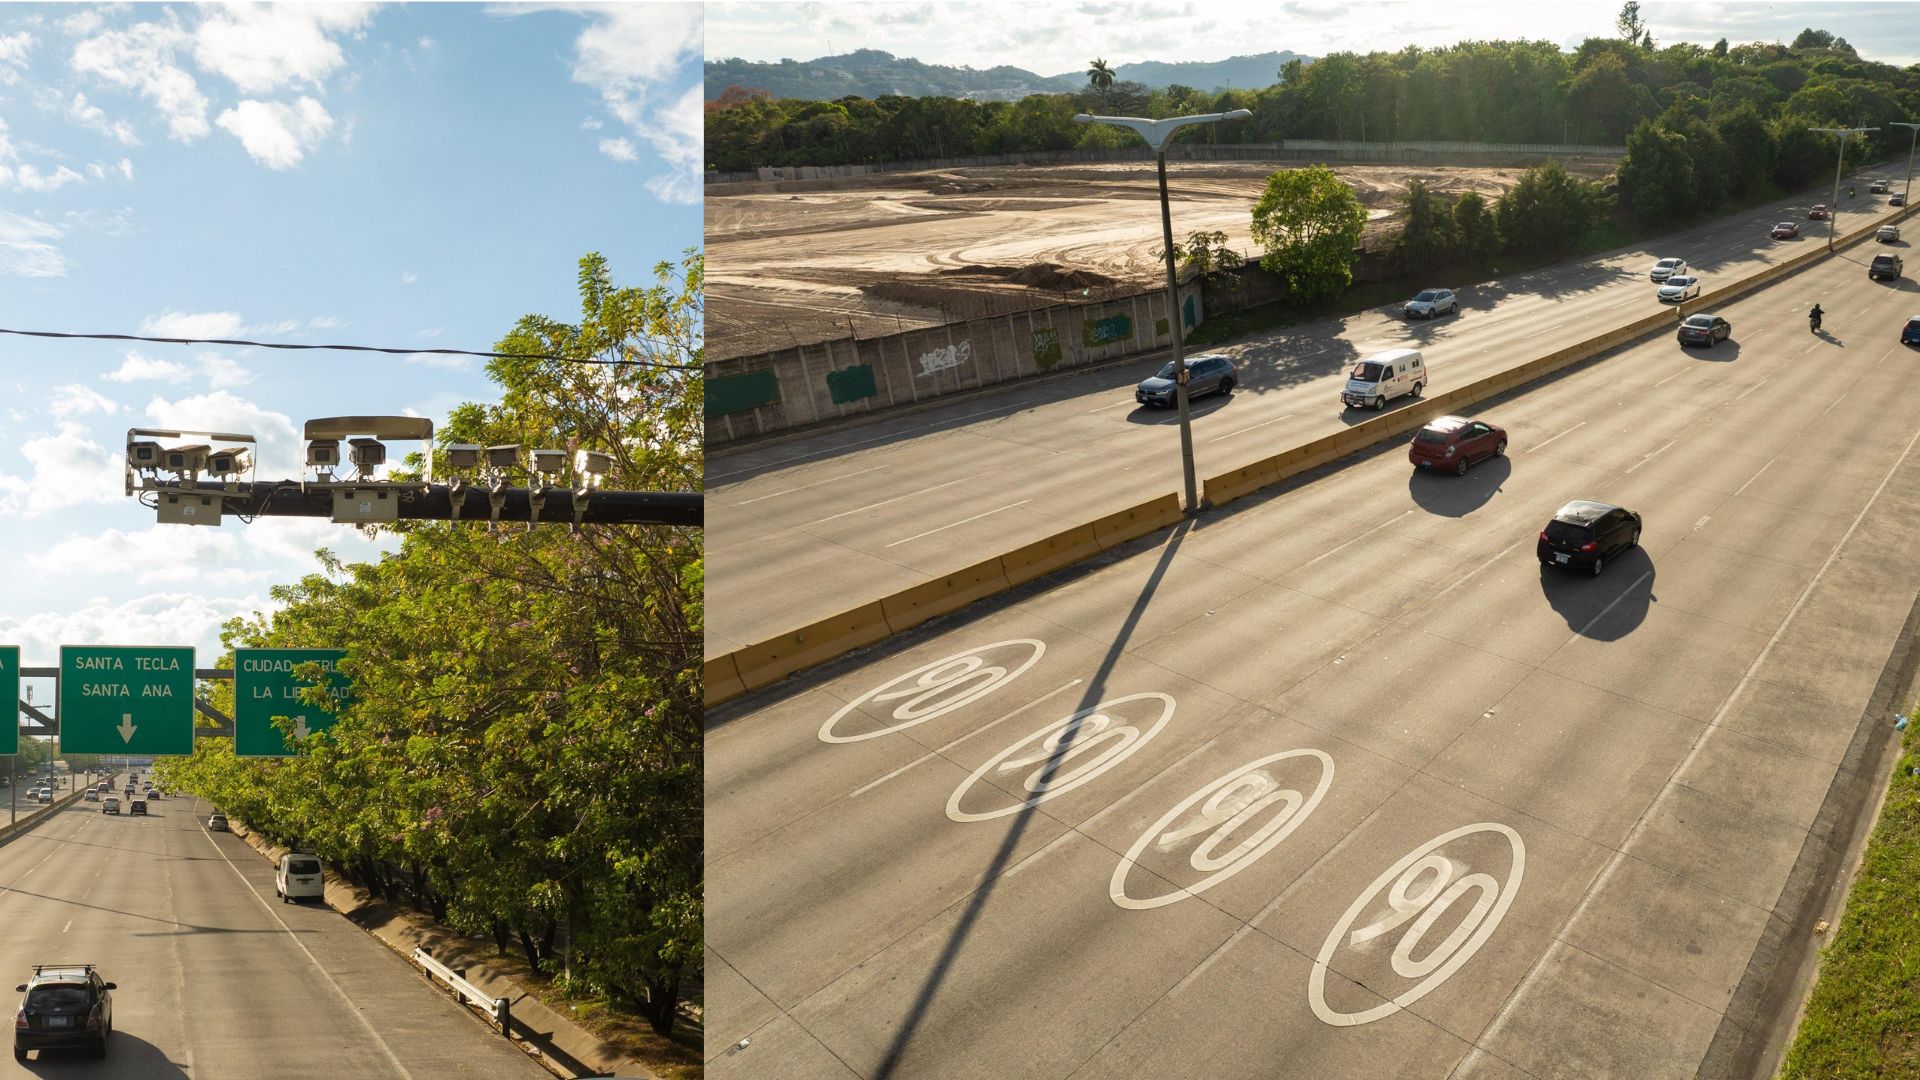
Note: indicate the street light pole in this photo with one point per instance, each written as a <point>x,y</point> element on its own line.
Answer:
<point>1906,192</point>
<point>1158,133</point>
<point>1833,212</point>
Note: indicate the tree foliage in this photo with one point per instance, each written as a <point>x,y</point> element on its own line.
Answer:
<point>1431,236</point>
<point>523,758</point>
<point>1549,210</point>
<point>1208,254</point>
<point>1308,223</point>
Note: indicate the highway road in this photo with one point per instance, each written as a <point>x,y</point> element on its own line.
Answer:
<point>216,977</point>
<point>802,529</point>
<point>1340,782</point>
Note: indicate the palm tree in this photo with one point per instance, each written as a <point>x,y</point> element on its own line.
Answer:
<point>1100,77</point>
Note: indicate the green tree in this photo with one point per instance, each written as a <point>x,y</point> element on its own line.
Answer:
<point>1656,175</point>
<point>1431,237</point>
<point>1474,221</point>
<point>1549,210</point>
<point>1208,254</point>
<point>1750,149</point>
<point>1100,78</point>
<point>1629,23</point>
<point>1308,223</point>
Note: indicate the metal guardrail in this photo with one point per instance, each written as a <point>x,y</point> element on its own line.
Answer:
<point>499,1008</point>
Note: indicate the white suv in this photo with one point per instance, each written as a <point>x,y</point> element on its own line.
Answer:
<point>1432,302</point>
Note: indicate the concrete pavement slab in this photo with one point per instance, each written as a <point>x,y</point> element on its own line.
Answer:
<point>739,1008</point>
<point>1382,574</point>
<point>1142,598</point>
<point>1753,592</point>
<point>1679,935</point>
<point>1725,846</point>
<point>1281,636</point>
<point>784,1049</point>
<point>1738,767</point>
<point>1803,722</point>
<point>1673,660</point>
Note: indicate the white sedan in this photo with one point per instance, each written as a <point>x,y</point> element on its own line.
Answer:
<point>1684,287</point>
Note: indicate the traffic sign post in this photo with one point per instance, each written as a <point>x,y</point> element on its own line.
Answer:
<point>126,699</point>
<point>10,686</point>
<point>265,687</point>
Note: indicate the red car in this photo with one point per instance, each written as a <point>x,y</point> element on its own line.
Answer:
<point>1455,442</point>
<point>1818,213</point>
<point>1786,230</point>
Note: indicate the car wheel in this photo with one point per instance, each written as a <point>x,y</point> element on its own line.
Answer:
<point>1598,565</point>
<point>1500,448</point>
<point>1226,386</point>
<point>1460,467</point>
<point>1379,403</point>
<point>1418,389</point>
<point>1455,309</point>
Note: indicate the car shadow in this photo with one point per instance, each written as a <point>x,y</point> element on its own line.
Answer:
<point>1196,408</point>
<point>1725,352</point>
<point>127,1055</point>
<point>1448,495</point>
<point>1596,607</point>
<point>1351,416</point>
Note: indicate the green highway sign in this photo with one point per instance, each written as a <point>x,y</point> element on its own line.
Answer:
<point>126,699</point>
<point>264,687</point>
<point>10,686</point>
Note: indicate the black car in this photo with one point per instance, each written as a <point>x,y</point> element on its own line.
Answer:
<point>1885,265</point>
<point>1205,373</point>
<point>66,1005</point>
<point>137,806</point>
<point>1584,535</point>
<point>1897,200</point>
<point>1705,329</point>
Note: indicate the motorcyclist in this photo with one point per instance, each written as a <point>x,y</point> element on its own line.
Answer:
<point>1849,192</point>
<point>1813,317</point>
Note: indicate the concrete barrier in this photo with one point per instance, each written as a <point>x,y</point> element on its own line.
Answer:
<point>723,679</point>
<point>912,606</point>
<point>1043,557</point>
<point>773,660</point>
<point>1137,521</point>
<point>758,665</point>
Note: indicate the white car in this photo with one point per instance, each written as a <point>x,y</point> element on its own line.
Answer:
<point>1679,288</point>
<point>1666,268</point>
<point>1432,302</point>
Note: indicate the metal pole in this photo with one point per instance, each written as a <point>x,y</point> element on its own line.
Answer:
<point>1906,192</point>
<point>1179,342</point>
<point>1833,215</point>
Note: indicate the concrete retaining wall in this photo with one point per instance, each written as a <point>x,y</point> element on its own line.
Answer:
<point>755,395</point>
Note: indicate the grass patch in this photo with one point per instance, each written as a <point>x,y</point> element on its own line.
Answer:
<point>1863,1019</point>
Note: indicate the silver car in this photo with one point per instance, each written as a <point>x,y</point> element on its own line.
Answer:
<point>1432,302</point>
<point>1207,373</point>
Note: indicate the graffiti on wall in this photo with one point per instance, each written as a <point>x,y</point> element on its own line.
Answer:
<point>939,360</point>
<point>1046,348</point>
<point>1097,332</point>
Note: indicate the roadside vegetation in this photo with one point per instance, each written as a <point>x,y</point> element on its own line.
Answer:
<point>1863,1018</point>
<point>522,760</point>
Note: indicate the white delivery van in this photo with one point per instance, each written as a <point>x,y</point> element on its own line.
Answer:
<point>1380,378</point>
<point>298,877</point>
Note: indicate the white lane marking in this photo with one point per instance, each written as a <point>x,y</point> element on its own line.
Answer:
<point>803,487</point>
<point>1653,455</point>
<point>1628,591</point>
<point>1052,747</point>
<point>1115,405</point>
<point>1462,579</point>
<point>1812,347</point>
<point>1244,430</point>
<point>1110,808</point>
<point>1752,388</point>
<point>882,502</point>
<point>711,477</point>
<point>930,691</point>
<point>67,927</point>
<point>1751,479</point>
<point>1669,378</point>
<point>931,754</point>
<point>1836,401</point>
<point>956,524</point>
<point>1563,434</point>
<point>1704,518</point>
<point>1499,1020</point>
<point>1355,540</point>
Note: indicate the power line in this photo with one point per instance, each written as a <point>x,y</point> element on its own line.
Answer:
<point>354,348</point>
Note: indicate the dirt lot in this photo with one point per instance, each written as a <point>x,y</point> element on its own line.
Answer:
<point>877,255</point>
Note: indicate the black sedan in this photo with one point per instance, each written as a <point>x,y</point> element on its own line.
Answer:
<point>1206,374</point>
<point>1704,329</point>
<point>1583,535</point>
<point>66,1005</point>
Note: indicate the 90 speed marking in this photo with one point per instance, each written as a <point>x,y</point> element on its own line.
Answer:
<point>940,687</point>
<point>1231,802</point>
<point>1052,747</point>
<point>1414,895</point>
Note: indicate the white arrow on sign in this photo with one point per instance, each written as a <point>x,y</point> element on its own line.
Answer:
<point>300,727</point>
<point>126,727</point>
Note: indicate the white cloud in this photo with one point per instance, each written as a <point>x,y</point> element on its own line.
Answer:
<point>81,112</point>
<point>263,47</point>
<point>275,134</point>
<point>140,58</point>
<point>279,441</point>
<point>25,250</point>
<point>161,553</point>
<point>431,332</point>
<point>628,55</point>
<point>189,617</point>
<point>591,123</point>
<point>137,367</point>
<point>202,324</point>
<point>13,56</point>
<point>76,399</point>
<point>31,178</point>
<point>126,168</point>
<point>443,362</point>
<point>426,43</point>
<point>221,370</point>
<point>294,540</point>
<point>69,469</point>
<point>408,277</point>
<point>85,22</point>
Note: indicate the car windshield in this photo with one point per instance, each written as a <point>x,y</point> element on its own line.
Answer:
<point>1428,294</point>
<point>1700,322</point>
<point>1370,372</point>
<point>1568,531</point>
<point>1680,281</point>
<point>57,996</point>
<point>1432,437</point>
<point>1668,263</point>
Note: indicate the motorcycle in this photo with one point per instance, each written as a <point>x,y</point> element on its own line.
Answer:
<point>1813,322</point>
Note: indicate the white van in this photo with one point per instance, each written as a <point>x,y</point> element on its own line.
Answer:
<point>1380,378</point>
<point>297,878</point>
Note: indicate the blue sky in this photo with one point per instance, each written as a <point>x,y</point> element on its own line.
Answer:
<point>405,176</point>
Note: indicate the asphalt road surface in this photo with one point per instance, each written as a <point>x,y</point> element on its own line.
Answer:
<point>1341,782</point>
<point>803,529</point>
<point>216,977</point>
